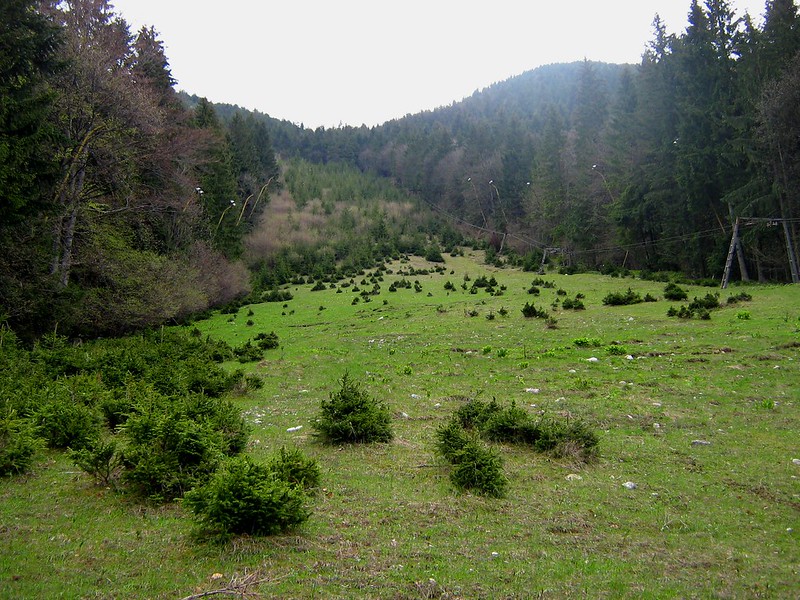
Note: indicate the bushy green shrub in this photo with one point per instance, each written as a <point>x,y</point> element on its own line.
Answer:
<point>248,352</point>
<point>451,438</point>
<point>244,497</point>
<point>173,444</point>
<point>100,459</point>
<point>480,469</point>
<point>513,424</point>
<point>529,311</point>
<point>296,468</point>
<point>587,342</point>
<point>63,423</point>
<point>475,413</point>
<point>707,302</point>
<point>267,341</point>
<point>18,442</point>
<point>352,415</point>
<point>740,297</point>
<point>576,304</point>
<point>622,298</point>
<point>508,424</point>
<point>672,291</point>
<point>565,438</point>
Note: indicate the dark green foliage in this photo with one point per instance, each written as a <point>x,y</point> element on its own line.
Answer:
<point>434,254</point>
<point>18,442</point>
<point>570,304</point>
<point>475,467</point>
<point>508,424</point>
<point>529,311</point>
<point>244,497</point>
<point>101,459</point>
<point>451,438</point>
<point>248,352</point>
<point>740,297</point>
<point>353,416</point>
<point>171,446</point>
<point>513,424</point>
<point>276,296</point>
<point>707,302</point>
<point>480,469</point>
<point>64,423</point>
<point>296,468</point>
<point>475,413</point>
<point>622,299</point>
<point>267,341</point>
<point>673,291</point>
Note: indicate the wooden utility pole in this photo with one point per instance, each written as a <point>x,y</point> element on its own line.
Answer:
<point>726,275</point>
<point>790,250</point>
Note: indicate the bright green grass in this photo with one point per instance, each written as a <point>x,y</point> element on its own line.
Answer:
<point>717,520</point>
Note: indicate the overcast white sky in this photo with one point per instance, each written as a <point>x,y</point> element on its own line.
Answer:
<point>331,62</point>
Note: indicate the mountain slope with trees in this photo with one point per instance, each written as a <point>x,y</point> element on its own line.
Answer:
<point>126,204</point>
<point>648,165</point>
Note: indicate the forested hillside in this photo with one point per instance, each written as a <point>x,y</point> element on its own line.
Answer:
<point>649,164</point>
<point>125,204</point>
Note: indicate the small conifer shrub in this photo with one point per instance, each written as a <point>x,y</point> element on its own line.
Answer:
<point>351,415</point>
<point>244,497</point>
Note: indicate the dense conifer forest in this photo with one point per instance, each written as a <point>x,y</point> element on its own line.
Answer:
<point>126,204</point>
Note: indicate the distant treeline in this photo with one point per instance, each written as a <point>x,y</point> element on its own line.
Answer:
<point>647,164</point>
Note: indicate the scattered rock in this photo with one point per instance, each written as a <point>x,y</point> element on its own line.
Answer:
<point>416,396</point>
<point>573,477</point>
<point>293,429</point>
<point>629,485</point>
<point>796,461</point>
<point>495,554</point>
<point>593,359</point>
<point>629,357</point>
<point>532,390</point>
<point>700,443</point>
<point>572,371</point>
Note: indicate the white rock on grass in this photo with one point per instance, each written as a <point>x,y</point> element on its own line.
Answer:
<point>593,359</point>
<point>700,443</point>
<point>796,461</point>
<point>629,485</point>
<point>573,477</point>
<point>293,429</point>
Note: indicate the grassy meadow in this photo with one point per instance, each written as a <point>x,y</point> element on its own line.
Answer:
<point>701,415</point>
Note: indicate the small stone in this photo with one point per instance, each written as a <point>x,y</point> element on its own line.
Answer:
<point>796,461</point>
<point>532,390</point>
<point>629,485</point>
<point>572,371</point>
<point>629,357</point>
<point>293,429</point>
<point>700,443</point>
<point>495,554</point>
<point>416,396</point>
<point>404,415</point>
<point>593,359</point>
<point>573,477</point>
<point>656,425</point>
